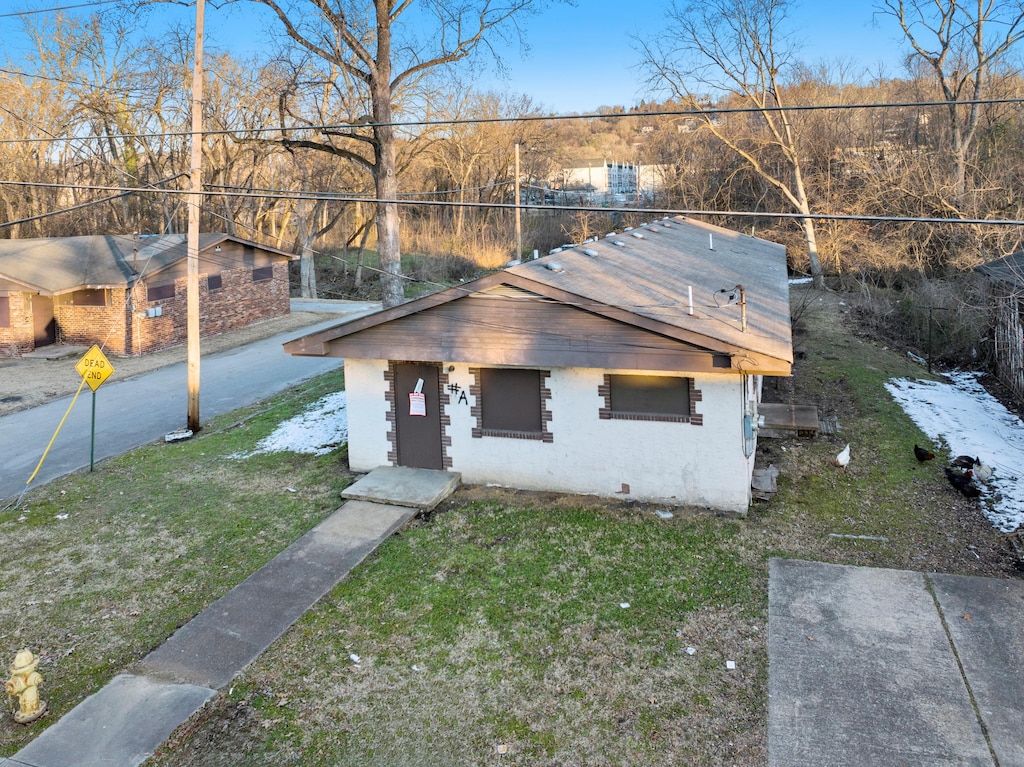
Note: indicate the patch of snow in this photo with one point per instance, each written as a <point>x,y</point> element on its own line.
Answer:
<point>800,280</point>
<point>970,421</point>
<point>317,431</point>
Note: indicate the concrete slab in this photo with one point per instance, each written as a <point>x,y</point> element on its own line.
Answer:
<point>985,617</point>
<point>120,726</point>
<point>334,305</point>
<point>56,352</point>
<point>861,672</point>
<point>404,486</point>
<point>232,632</point>
<point>782,420</point>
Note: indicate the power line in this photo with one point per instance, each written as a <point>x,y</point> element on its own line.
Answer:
<point>89,204</point>
<point>341,129</point>
<point>57,9</point>
<point>245,193</point>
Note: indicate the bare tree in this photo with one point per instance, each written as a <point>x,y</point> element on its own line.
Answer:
<point>735,51</point>
<point>372,45</point>
<point>951,38</point>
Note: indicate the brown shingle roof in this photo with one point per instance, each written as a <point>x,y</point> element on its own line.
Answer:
<point>54,265</point>
<point>646,282</point>
<point>652,275</point>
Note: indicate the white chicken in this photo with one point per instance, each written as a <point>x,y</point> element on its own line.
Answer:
<point>843,459</point>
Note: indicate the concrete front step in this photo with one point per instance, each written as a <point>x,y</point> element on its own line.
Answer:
<point>404,486</point>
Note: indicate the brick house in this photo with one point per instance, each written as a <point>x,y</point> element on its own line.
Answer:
<point>128,294</point>
<point>629,367</point>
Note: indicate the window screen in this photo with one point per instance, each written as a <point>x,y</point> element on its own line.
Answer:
<point>511,400</point>
<point>263,273</point>
<point>160,292</point>
<point>5,311</point>
<point>89,297</point>
<point>650,395</point>
<point>214,282</point>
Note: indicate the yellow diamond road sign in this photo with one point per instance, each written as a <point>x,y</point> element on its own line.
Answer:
<point>94,367</point>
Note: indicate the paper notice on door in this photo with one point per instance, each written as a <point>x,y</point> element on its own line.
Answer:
<point>417,400</point>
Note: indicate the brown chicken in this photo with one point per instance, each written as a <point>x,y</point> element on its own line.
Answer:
<point>923,455</point>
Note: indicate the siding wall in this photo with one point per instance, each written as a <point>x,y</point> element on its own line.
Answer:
<point>674,463</point>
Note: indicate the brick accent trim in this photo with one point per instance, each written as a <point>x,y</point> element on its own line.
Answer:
<point>389,397</point>
<point>477,411</point>
<point>606,413</point>
<point>446,420</point>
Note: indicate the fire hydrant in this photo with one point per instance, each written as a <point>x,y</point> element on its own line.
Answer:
<point>24,683</point>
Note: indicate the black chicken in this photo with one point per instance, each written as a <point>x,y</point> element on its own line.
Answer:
<point>923,455</point>
<point>963,481</point>
<point>965,462</point>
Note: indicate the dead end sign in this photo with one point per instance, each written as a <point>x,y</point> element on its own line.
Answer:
<point>94,367</point>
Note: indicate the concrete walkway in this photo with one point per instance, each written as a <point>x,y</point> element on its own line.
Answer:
<point>127,720</point>
<point>868,666</point>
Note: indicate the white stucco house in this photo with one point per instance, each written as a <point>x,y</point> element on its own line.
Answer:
<point>629,367</point>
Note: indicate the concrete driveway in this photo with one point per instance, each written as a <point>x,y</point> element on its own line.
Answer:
<point>143,409</point>
<point>874,667</point>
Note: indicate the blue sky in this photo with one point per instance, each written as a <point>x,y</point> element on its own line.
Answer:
<point>582,57</point>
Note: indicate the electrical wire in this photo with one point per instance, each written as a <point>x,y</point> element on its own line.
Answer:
<point>57,9</point>
<point>342,128</point>
<point>245,193</point>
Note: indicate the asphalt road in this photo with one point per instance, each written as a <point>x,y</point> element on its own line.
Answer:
<point>144,409</point>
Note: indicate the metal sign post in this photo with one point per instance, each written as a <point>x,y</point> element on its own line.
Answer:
<point>95,369</point>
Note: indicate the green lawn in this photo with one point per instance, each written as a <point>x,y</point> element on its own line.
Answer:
<point>504,627</point>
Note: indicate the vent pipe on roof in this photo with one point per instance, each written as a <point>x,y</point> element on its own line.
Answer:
<point>711,241</point>
<point>689,299</point>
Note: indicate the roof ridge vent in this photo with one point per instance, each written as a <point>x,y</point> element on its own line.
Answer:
<point>553,266</point>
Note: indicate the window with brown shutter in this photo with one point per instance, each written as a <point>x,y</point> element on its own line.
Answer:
<point>650,398</point>
<point>511,402</point>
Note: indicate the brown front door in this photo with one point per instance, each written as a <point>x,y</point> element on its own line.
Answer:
<point>43,324</point>
<point>418,436</point>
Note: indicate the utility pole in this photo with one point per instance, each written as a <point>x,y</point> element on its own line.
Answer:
<point>519,224</point>
<point>195,201</point>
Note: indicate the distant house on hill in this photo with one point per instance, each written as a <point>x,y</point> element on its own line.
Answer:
<point>128,294</point>
<point>1006,277</point>
<point>630,367</point>
<point>604,181</point>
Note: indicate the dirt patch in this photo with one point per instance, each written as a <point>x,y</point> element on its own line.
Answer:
<point>26,383</point>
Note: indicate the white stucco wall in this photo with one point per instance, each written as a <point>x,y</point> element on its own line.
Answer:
<point>673,463</point>
<point>367,409</point>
